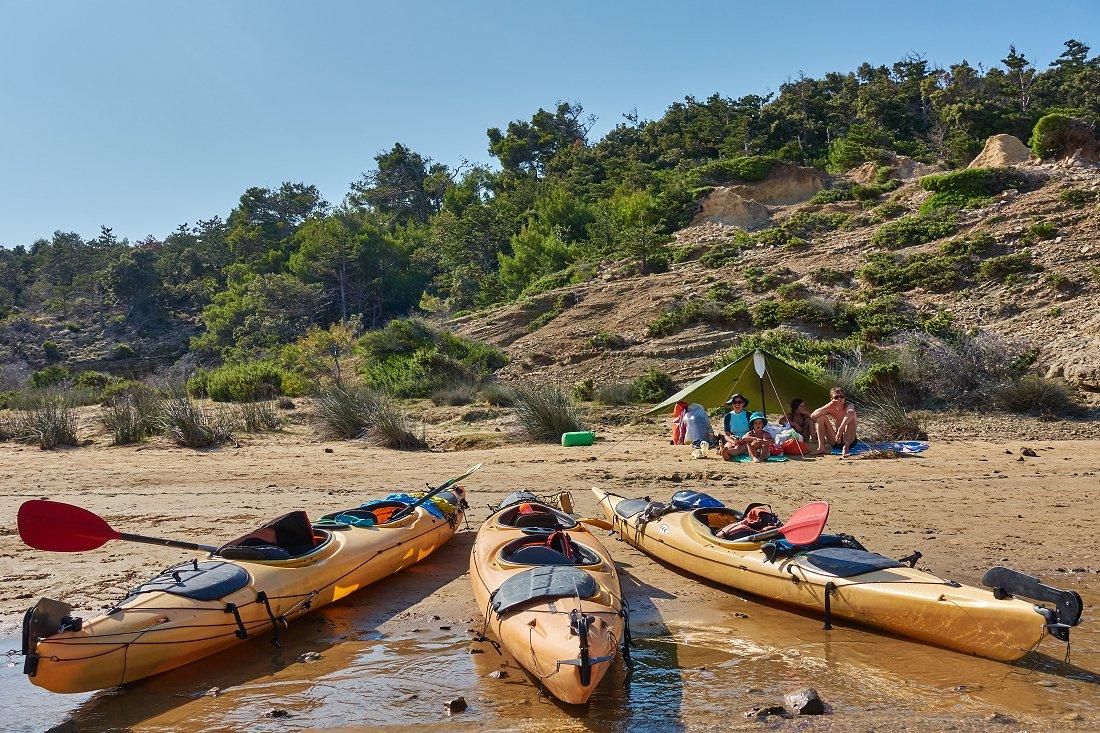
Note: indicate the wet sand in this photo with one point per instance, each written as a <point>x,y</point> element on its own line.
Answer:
<point>392,654</point>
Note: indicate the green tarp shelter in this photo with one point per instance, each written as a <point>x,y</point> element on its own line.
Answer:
<point>766,380</point>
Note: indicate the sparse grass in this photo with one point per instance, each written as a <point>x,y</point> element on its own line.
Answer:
<point>131,416</point>
<point>258,417</point>
<point>884,418</point>
<point>615,394</point>
<point>545,411</point>
<point>48,423</point>
<point>1058,281</point>
<point>345,411</point>
<point>1036,395</point>
<point>456,394</point>
<point>190,425</point>
<point>497,394</point>
<point>390,427</point>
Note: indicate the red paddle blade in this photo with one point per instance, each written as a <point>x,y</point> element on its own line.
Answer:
<point>806,524</point>
<point>58,527</point>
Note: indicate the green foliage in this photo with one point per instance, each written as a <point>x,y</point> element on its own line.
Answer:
<point>865,141</point>
<point>878,377</point>
<point>243,382</point>
<point>691,312</point>
<point>762,281</point>
<point>123,351</point>
<point>744,168</point>
<point>1036,395</point>
<point>1002,269</point>
<point>49,422</point>
<point>1041,230</point>
<point>584,390</point>
<point>1078,197</point>
<point>809,355</point>
<point>653,386</point>
<point>560,304</point>
<point>545,411</point>
<point>51,350</point>
<point>94,380</point>
<point>410,358</point>
<point>830,276</point>
<point>1058,134</point>
<point>51,376</point>
<point>605,340</point>
<point>772,313</point>
<point>937,272</point>
<point>969,187</point>
<point>911,230</point>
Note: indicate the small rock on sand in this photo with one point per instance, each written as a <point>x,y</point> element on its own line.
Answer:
<point>457,705</point>
<point>999,717</point>
<point>805,702</point>
<point>499,674</point>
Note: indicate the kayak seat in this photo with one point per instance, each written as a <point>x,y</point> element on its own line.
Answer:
<point>713,519</point>
<point>524,551</point>
<point>629,507</point>
<point>543,583</point>
<point>844,562</point>
<point>291,534</point>
<point>208,580</point>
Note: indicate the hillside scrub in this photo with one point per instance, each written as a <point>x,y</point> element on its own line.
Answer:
<point>1061,133</point>
<point>244,382</point>
<point>912,230</point>
<point>745,168</point>
<point>410,358</point>
<point>969,188</point>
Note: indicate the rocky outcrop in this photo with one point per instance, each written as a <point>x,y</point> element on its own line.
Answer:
<point>1000,151</point>
<point>902,168</point>
<point>745,205</point>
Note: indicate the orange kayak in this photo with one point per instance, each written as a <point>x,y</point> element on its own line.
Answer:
<point>550,594</point>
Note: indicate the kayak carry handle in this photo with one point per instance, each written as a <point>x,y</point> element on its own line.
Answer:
<point>1068,605</point>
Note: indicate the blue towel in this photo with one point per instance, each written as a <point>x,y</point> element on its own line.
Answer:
<point>429,505</point>
<point>910,447</point>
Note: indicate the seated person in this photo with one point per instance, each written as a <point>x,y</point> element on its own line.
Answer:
<point>835,424</point>
<point>799,420</point>
<point>758,441</point>
<point>734,425</point>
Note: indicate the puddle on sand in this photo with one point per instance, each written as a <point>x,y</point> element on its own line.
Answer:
<point>702,670</point>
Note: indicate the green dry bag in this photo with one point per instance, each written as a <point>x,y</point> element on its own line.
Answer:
<point>584,437</point>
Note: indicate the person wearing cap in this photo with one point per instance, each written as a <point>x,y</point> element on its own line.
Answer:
<point>734,425</point>
<point>757,440</point>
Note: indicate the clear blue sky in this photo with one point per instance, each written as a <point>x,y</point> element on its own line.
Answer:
<point>144,115</point>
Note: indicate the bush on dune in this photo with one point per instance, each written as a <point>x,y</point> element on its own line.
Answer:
<point>49,422</point>
<point>352,412</point>
<point>244,382</point>
<point>189,424</point>
<point>545,411</point>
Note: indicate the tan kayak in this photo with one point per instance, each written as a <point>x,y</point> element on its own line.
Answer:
<point>252,586</point>
<point>550,594</point>
<point>854,584</point>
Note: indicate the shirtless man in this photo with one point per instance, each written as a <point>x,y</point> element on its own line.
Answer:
<point>836,424</point>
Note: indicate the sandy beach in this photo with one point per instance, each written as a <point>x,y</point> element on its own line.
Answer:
<point>967,504</point>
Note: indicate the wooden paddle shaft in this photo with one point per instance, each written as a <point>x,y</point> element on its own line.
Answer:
<point>166,543</point>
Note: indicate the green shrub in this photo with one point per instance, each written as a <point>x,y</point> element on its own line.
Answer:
<point>247,382</point>
<point>696,311</point>
<point>1036,395</point>
<point>864,141</point>
<point>94,380</point>
<point>840,192</point>
<point>792,291</point>
<point>410,358</point>
<point>608,341</point>
<point>1042,230</point>
<point>830,276</point>
<point>51,350</point>
<point>1058,134</point>
<point>584,390</point>
<point>809,355</point>
<point>912,230</point>
<point>1002,269</point>
<point>1078,197</point>
<point>725,254</point>
<point>123,351</point>
<point>545,411</point>
<point>885,418</point>
<point>762,281</point>
<point>497,395</point>
<point>727,170</point>
<point>51,376</point>
<point>123,387</point>
<point>932,271</point>
<point>968,187</point>
<point>771,313</point>
<point>878,376</point>
<point>876,319</point>
<point>345,411</point>
<point>1058,281</point>
<point>653,386</point>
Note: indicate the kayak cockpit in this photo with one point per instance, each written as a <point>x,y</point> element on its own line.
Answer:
<point>535,516</point>
<point>556,549</point>
<point>289,539</point>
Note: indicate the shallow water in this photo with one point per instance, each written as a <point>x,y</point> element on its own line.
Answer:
<point>694,668</point>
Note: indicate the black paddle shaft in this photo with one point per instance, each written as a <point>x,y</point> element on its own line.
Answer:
<point>166,543</point>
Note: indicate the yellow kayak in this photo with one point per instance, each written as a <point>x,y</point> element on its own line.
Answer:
<point>852,583</point>
<point>253,585</point>
<point>550,593</point>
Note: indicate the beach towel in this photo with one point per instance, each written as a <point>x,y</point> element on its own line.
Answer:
<point>745,458</point>
<point>905,447</point>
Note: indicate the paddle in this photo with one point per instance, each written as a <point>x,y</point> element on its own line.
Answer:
<point>427,497</point>
<point>60,527</point>
<point>804,526</point>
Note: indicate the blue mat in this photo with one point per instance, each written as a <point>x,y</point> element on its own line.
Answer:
<point>745,458</point>
<point>908,447</point>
